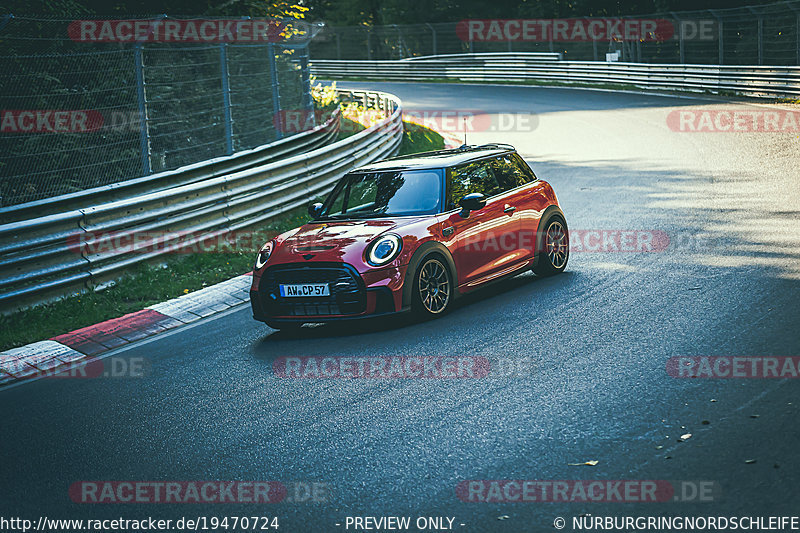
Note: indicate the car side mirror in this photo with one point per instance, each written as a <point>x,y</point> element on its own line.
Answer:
<point>471,202</point>
<point>315,209</point>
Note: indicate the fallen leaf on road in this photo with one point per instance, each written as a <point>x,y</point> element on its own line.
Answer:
<point>750,461</point>
<point>685,436</point>
<point>587,463</point>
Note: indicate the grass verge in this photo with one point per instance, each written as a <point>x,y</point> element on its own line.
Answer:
<point>180,274</point>
<point>418,138</point>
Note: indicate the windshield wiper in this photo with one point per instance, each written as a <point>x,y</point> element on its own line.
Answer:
<point>353,216</point>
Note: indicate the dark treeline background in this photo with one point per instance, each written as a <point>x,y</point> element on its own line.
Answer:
<point>364,12</point>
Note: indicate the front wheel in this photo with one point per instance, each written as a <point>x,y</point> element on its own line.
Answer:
<point>433,288</point>
<point>554,248</point>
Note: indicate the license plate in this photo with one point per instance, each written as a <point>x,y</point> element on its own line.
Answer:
<point>305,290</point>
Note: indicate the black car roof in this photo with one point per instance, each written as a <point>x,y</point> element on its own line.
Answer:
<point>438,159</point>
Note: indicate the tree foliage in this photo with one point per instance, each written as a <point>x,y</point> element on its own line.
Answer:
<point>384,12</point>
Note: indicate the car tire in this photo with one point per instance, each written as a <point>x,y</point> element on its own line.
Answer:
<point>433,290</point>
<point>553,252</point>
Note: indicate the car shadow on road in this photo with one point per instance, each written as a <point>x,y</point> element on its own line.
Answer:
<point>366,326</point>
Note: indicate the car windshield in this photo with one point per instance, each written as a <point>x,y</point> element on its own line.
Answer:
<point>378,194</point>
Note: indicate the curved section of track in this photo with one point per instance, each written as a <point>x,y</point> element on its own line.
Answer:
<point>595,339</point>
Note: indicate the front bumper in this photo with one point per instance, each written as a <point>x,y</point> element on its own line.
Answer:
<point>353,295</point>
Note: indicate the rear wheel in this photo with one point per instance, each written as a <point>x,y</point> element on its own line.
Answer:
<point>554,248</point>
<point>433,288</point>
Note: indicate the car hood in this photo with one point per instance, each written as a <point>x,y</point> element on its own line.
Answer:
<point>337,239</point>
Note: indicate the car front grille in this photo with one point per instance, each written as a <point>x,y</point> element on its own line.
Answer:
<point>348,295</point>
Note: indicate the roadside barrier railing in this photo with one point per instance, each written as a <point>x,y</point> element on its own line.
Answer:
<point>42,247</point>
<point>758,81</point>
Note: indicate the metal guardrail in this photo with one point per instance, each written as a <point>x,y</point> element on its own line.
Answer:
<point>38,256</point>
<point>286,147</point>
<point>510,67</point>
<point>531,56</point>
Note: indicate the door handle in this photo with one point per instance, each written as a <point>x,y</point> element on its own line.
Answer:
<point>509,209</point>
<point>448,231</point>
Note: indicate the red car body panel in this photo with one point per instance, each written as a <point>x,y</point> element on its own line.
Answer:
<point>488,244</point>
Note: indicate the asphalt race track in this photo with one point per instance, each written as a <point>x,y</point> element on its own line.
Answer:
<point>592,345</point>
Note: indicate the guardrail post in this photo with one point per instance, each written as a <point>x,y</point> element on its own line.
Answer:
<point>226,97</point>
<point>720,41</point>
<point>141,93</point>
<point>369,43</point>
<point>305,74</point>
<point>338,46</point>
<point>795,9</point>
<point>760,34</point>
<point>276,93</point>
<point>639,49</point>
<point>400,43</point>
<point>6,19</point>
<point>680,37</point>
<point>433,36</point>
<point>628,45</point>
<point>792,6</point>
<point>594,45</point>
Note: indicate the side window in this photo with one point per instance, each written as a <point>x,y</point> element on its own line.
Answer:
<point>512,171</point>
<point>523,167</point>
<point>473,177</point>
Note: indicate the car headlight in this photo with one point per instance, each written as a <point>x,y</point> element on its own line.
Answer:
<point>263,254</point>
<point>384,249</point>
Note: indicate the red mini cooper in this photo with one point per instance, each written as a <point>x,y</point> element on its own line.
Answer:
<point>411,233</point>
